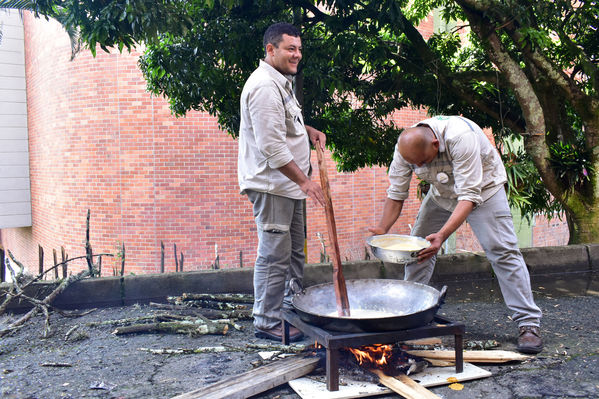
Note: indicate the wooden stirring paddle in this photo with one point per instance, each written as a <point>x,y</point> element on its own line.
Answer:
<point>338,279</point>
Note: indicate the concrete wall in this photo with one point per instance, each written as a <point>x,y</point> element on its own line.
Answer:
<point>554,265</point>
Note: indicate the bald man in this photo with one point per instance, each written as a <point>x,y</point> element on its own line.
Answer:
<point>467,181</point>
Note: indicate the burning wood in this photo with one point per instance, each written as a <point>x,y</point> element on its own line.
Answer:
<point>391,359</point>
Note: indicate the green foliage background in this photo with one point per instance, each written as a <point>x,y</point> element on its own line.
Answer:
<point>527,70</point>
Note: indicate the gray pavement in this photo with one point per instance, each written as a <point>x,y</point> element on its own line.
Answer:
<point>102,365</point>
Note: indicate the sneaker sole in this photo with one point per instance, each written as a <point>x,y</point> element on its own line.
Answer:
<point>530,350</point>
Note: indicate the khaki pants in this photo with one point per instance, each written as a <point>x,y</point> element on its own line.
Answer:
<point>492,224</point>
<point>280,257</point>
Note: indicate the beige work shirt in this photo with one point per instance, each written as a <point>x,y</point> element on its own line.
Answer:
<point>271,134</point>
<point>467,167</point>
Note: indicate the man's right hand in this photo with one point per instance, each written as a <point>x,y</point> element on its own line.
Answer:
<point>308,187</point>
<point>391,211</point>
<point>313,191</point>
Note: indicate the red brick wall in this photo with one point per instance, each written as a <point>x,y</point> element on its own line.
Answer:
<point>550,232</point>
<point>98,141</point>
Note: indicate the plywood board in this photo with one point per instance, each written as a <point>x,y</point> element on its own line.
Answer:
<point>435,376</point>
<point>309,388</point>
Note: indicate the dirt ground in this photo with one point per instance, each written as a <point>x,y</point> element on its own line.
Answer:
<point>95,363</point>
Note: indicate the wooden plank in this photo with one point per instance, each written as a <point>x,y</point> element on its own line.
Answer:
<point>405,386</point>
<point>491,356</point>
<point>439,362</point>
<point>255,381</point>
<point>419,389</point>
<point>338,279</point>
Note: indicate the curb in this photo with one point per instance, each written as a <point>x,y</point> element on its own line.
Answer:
<point>452,269</point>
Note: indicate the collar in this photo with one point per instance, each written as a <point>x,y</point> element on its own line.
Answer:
<point>438,135</point>
<point>283,80</point>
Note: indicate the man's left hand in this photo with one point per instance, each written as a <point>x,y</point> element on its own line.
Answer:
<point>436,241</point>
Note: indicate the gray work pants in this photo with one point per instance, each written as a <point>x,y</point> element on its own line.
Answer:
<point>280,257</point>
<point>492,224</point>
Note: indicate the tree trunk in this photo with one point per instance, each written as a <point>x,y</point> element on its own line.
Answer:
<point>583,224</point>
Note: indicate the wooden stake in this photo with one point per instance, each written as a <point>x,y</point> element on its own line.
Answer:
<point>2,269</point>
<point>63,256</point>
<point>338,279</point>
<point>88,247</point>
<point>55,264</point>
<point>123,260</point>
<point>161,257</point>
<point>41,259</point>
<point>176,259</point>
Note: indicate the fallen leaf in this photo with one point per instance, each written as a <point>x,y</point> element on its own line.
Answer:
<point>452,379</point>
<point>456,387</point>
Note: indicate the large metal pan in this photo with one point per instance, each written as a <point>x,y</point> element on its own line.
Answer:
<point>375,305</point>
<point>397,248</point>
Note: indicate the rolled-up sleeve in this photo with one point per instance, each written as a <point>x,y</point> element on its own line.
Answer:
<point>467,167</point>
<point>400,175</point>
<point>267,113</point>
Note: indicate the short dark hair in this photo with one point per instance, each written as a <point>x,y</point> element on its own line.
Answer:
<point>274,33</point>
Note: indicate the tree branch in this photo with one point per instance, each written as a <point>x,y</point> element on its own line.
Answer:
<point>534,139</point>
<point>452,80</point>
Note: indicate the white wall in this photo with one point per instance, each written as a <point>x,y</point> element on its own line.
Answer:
<point>15,195</point>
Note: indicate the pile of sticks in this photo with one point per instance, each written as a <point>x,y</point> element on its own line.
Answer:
<point>195,314</point>
<point>21,281</point>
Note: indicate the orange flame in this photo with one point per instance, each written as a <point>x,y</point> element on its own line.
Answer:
<point>375,354</point>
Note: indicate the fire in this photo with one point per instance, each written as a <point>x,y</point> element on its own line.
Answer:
<point>376,354</point>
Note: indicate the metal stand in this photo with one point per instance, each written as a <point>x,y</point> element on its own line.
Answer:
<point>333,341</point>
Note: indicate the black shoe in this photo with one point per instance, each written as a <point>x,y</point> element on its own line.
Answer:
<point>529,340</point>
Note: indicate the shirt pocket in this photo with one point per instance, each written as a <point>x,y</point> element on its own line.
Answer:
<point>294,119</point>
<point>424,173</point>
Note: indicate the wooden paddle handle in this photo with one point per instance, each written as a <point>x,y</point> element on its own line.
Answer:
<point>338,279</point>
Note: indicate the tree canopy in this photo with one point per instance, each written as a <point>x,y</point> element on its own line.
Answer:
<point>528,70</point>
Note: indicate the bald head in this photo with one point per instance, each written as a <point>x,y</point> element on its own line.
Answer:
<point>418,145</point>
